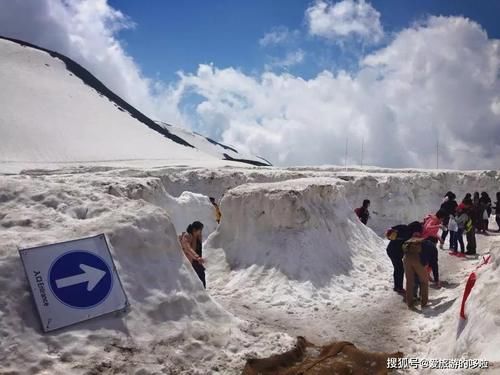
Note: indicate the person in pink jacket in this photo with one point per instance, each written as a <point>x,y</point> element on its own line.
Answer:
<point>432,224</point>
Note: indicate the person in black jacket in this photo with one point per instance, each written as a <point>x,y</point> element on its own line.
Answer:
<point>477,213</point>
<point>485,204</point>
<point>362,212</point>
<point>398,235</point>
<point>449,206</point>
<point>429,257</point>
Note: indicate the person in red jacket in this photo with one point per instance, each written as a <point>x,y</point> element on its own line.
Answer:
<point>362,212</point>
<point>432,224</point>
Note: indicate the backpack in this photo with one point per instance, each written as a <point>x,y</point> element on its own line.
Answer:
<point>413,246</point>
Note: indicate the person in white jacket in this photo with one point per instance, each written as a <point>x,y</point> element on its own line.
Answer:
<point>461,219</point>
<point>453,229</point>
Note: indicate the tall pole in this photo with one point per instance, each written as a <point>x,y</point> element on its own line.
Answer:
<point>362,150</point>
<point>437,152</point>
<point>345,156</point>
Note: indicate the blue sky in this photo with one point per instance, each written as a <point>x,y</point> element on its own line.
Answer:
<point>170,36</point>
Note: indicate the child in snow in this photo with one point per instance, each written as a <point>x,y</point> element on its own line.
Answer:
<point>497,210</point>
<point>191,243</point>
<point>485,207</point>
<point>470,230</point>
<point>432,224</point>
<point>449,206</point>
<point>453,229</point>
<point>218,213</point>
<point>462,218</point>
<point>362,212</point>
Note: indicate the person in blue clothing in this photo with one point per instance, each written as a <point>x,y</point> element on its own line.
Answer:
<point>398,235</point>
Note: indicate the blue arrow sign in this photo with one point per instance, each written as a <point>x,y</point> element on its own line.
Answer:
<point>80,279</point>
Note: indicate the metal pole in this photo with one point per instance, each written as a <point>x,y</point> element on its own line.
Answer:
<point>437,152</point>
<point>362,150</point>
<point>345,156</point>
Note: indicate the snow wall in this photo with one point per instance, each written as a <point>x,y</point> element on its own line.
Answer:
<point>397,196</point>
<point>303,228</point>
<point>478,336</point>
<point>172,322</point>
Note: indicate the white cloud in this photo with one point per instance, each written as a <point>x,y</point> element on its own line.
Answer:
<point>278,35</point>
<point>435,80</point>
<point>347,18</point>
<point>290,59</point>
<point>439,78</point>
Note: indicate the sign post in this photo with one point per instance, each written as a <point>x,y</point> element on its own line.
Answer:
<point>73,281</point>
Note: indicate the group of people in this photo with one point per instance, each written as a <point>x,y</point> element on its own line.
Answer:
<point>192,243</point>
<point>413,250</point>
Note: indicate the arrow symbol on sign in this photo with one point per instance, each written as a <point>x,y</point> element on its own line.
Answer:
<point>90,275</point>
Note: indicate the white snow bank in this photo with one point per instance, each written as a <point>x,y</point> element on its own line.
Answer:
<point>478,336</point>
<point>173,326</point>
<point>183,210</point>
<point>404,197</point>
<point>397,196</point>
<point>303,228</point>
<point>292,255</point>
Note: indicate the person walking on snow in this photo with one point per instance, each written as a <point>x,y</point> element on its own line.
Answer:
<point>497,210</point>
<point>429,259</point>
<point>453,229</point>
<point>485,204</point>
<point>191,243</point>
<point>362,212</point>
<point>462,218</point>
<point>470,230</point>
<point>415,269</point>
<point>218,213</point>
<point>477,213</point>
<point>397,236</point>
<point>449,206</point>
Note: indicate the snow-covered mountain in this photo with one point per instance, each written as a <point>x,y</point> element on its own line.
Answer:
<point>55,111</point>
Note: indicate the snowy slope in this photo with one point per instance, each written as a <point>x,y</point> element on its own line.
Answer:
<point>54,111</point>
<point>213,147</point>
